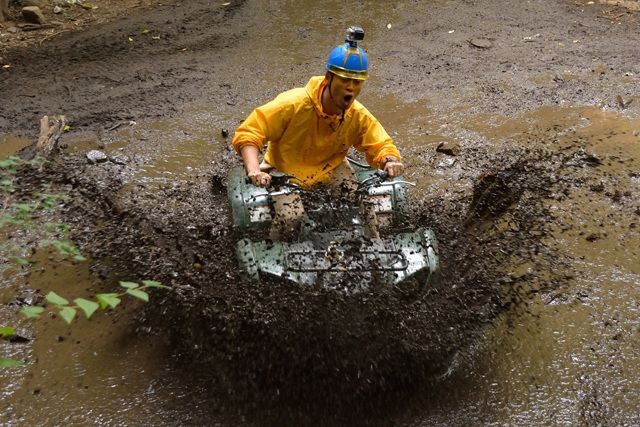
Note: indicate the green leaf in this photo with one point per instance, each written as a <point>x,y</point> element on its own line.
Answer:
<point>10,363</point>
<point>31,312</point>
<point>139,294</point>
<point>129,285</point>
<point>48,201</point>
<point>19,260</point>
<point>108,300</point>
<point>65,248</point>
<point>68,314</point>
<point>7,331</point>
<point>6,219</point>
<point>89,307</point>
<point>56,299</point>
<point>10,162</point>
<point>63,228</point>
<point>154,284</point>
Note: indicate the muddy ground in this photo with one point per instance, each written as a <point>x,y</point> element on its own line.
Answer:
<point>512,84</point>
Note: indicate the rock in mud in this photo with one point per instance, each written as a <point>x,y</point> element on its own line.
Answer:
<point>448,148</point>
<point>96,156</point>
<point>120,159</point>
<point>33,14</point>
<point>446,163</point>
<point>481,43</point>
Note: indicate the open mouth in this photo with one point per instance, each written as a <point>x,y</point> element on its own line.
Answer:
<point>348,98</point>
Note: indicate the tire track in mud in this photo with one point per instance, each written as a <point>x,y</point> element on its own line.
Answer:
<point>114,72</point>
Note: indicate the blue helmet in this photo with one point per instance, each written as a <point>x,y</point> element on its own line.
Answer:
<point>348,60</point>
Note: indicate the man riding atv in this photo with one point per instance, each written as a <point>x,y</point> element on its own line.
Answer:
<point>308,132</point>
<point>331,242</point>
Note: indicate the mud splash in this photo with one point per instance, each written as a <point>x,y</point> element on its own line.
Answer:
<point>533,198</point>
<point>305,348</point>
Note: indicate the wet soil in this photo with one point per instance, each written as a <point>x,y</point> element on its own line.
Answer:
<point>17,32</point>
<point>533,214</point>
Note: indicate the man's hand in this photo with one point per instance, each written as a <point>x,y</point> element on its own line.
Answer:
<point>260,179</point>
<point>393,167</point>
<point>249,155</point>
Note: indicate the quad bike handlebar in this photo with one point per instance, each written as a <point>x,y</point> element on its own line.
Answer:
<point>281,182</point>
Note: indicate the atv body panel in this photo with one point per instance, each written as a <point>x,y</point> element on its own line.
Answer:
<point>334,257</point>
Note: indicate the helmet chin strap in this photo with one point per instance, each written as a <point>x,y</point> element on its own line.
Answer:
<point>334,101</point>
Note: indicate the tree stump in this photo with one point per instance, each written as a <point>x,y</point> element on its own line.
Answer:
<point>47,145</point>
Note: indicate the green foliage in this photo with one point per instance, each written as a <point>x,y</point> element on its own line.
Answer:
<point>7,331</point>
<point>65,248</point>
<point>108,300</point>
<point>49,201</point>
<point>31,312</point>
<point>56,299</point>
<point>11,163</point>
<point>68,314</point>
<point>129,285</point>
<point>138,294</point>
<point>22,213</point>
<point>103,301</point>
<point>20,260</point>
<point>6,185</point>
<point>154,284</point>
<point>55,227</point>
<point>63,6</point>
<point>10,363</point>
<point>89,307</point>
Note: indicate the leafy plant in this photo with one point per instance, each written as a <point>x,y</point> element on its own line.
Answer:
<point>23,213</point>
<point>8,332</point>
<point>11,164</point>
<point>65,248</point>
<point>68,311</point>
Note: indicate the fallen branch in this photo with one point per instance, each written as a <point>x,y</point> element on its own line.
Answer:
<point>51,36</point>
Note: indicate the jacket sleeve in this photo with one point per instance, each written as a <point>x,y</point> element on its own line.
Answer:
<point>266,123</point>
<point>374,141</point>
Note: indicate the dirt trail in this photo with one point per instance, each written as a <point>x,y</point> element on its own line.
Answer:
<point>530,168</point>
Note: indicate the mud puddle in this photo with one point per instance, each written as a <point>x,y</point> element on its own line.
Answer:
<point>548,356</point>
<point>106,370</point>
<point>567,355</point>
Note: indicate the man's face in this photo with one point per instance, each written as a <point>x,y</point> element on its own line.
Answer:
<point>344,91</point>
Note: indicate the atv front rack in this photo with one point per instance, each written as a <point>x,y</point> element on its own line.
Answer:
<point>319,261</point>
<point>392,261</point>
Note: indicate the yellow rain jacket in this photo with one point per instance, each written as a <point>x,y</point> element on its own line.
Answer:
<point>305,142</point>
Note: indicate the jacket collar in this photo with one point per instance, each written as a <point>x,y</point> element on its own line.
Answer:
<point>314,89</point>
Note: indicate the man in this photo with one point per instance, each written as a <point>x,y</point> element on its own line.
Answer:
<point>310,130</point>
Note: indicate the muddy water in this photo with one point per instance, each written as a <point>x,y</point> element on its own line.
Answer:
<point>10,145</point>
<point>95,372</point>
<point>569,355</point>
<point>103,370</point>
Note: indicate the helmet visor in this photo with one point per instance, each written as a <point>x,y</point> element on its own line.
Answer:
<point>349,74</point>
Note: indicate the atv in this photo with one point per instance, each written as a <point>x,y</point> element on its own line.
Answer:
<point>332,247</point>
